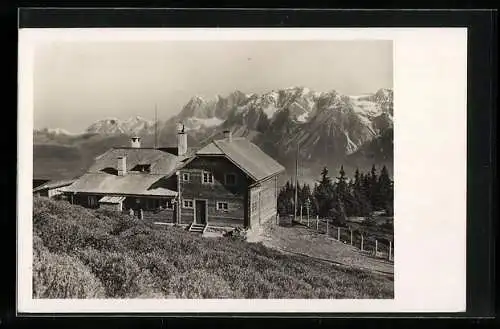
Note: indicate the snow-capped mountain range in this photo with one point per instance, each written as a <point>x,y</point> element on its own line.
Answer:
<point>132,126</point>
<point>321,122</point>
<point>325,124</point>
<point>56,131</point>
<point>302,103</point>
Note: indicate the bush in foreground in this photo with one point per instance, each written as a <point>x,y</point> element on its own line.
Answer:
<point>121,258</point>
<point>62,276</point>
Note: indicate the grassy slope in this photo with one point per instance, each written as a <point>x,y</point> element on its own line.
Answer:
<point>80,253</point>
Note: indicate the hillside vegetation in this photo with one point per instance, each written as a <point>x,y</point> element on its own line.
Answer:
<point>82,253</point>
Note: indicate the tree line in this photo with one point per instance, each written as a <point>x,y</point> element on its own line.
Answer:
<point>341,197</point>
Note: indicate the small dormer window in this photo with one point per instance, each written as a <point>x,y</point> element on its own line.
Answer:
<point>185,177</point>
<point>142,168</point>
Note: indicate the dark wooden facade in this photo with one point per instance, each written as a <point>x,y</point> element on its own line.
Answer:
<point>211,190</point>
<point>224,200</point>
<point>249,203</point>
<point>157,209</point>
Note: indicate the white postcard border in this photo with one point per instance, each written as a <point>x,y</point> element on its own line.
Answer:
<point>430,80</point>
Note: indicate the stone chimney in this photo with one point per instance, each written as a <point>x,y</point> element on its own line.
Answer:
<point>181,140</point>
<point>228,135</point>
<point>122,166</point>
<point>135,142</point>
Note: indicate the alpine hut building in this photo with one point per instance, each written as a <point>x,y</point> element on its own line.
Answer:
<point>228,183</point>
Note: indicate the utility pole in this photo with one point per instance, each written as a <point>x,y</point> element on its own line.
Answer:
<point>296,183</point>
<point>308,205</point>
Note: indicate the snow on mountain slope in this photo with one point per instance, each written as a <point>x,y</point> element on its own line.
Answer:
<point>363,105</point>
<point>322,121</point>
<point>330,128</point>
<point>132,126</point>
<point>200,123</point>
<point>56,131</point>
<point>325,123</point>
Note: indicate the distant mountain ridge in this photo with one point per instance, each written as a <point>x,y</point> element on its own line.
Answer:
<point>329,127</point>
<point>132,126</point>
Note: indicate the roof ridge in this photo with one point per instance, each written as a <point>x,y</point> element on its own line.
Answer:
<point>218,146</point>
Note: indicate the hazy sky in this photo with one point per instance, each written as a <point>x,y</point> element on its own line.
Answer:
<point>77,83</point>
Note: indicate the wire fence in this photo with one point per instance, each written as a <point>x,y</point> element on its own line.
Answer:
<point>378,245</point>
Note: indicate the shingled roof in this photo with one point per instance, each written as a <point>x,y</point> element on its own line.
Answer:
<point>102,176</point>
<point>130,184</point>
<point>53,184</point>
<point>246,155</point>
<point>160,161</point>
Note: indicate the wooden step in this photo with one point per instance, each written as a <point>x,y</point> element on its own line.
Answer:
<point>197,228</point>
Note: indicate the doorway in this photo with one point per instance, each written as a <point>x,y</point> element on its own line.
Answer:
<point>201,212</point>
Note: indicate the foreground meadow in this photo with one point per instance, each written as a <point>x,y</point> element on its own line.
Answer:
<point>83,253</point>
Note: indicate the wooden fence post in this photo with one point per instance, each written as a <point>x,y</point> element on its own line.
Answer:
<point>390,249</point>
<point>338,233</point>
<point>376,247</point>
<point>301,214</point>
<point>277,218</point>
<point>308,216</point>
<point>362,241</point>
<point>317,222</point>
<point>351,237</point>
<point>327,221</point>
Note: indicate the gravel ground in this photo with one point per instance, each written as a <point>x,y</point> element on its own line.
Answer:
<point>302,240</point>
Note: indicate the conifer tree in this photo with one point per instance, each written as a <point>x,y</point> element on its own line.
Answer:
<point>373,187</point>
<point>324,194</point>
<point>341,194</point>
<point>363,204</point>
<point>341,183</point>
<point>305,194</point>
<point>357,180</point>
<point>285,199</point>
<point>385,193</point>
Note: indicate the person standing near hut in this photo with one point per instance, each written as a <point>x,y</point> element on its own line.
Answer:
<point>141,214</point>
<point>131,212</point>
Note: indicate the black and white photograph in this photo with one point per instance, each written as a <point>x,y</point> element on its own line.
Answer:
<point>215,166</point>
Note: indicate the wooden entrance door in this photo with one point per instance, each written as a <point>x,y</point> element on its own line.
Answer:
<point>201,212</point>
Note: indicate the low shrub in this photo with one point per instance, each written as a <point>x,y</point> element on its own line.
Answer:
<point>62,276</point>
<point>72,213</point>
<point>157,264</point>
<point>236,234</point>
<point>108,255</point>
<point>119,273</point>
<point>60,235</point>
<point>198,284</point>
<point>123,225</point>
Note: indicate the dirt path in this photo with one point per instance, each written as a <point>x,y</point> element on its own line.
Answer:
<point>301,240</point>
